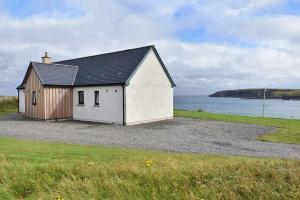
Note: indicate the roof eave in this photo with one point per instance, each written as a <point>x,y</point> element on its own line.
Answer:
<point>56,85</point>
<point>106,84</point>
<point>164,67</point>
<point>138,66</point>
<point>20,87</point>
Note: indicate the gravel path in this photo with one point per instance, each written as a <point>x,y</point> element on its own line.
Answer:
<point>178,135</point>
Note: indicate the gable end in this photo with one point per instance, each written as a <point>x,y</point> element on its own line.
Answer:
<point>161,63</point>
<point>30,67</point>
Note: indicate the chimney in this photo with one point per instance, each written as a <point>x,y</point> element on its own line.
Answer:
<point>46,59</point>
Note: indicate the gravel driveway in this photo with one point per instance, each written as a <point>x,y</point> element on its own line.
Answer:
<point>177,135</point>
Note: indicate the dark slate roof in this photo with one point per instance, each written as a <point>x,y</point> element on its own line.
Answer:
<point>109,68</point>
<point>105,69</point>
<point>56,74</point>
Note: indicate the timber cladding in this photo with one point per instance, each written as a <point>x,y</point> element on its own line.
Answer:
<point>58,103</point>
<point>51,103</point>
<point>33,83</point>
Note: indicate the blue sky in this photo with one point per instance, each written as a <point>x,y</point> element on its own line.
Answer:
<point>206,45</point>
<point>21,9</point>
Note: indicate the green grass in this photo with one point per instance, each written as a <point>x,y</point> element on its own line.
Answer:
<point>8,102</point>
<point>36,170</point>
<point>288,130</point>
<point>8,105</point>
<point>289,136</point>
<point>266,121</point>
<point>5,111</point>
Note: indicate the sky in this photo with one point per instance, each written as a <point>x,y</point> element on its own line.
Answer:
<point>207,45</point>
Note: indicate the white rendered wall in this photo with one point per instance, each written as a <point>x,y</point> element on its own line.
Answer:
<point>110,109</point>
<point>21,101</point>
<point>149,95</point>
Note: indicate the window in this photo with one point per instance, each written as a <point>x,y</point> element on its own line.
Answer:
<point>33,98</point>
<point>80,97</point>
<point>96,98</point>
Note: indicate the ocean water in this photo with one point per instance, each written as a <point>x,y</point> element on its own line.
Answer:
<point>250,107</point>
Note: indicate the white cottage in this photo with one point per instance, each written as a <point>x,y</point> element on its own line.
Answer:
<point>125,87</point>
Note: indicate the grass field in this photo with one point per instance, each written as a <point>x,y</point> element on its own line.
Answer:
<point>8,105</point>
<point>288,131</point>
<point>36,170</point>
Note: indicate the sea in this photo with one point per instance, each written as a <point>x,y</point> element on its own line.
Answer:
<point>276,108</point>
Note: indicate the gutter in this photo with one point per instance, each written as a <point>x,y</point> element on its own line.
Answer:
<point>123,93</point>
<point>18,101</point>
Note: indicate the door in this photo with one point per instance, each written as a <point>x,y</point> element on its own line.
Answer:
<point>22,101</point>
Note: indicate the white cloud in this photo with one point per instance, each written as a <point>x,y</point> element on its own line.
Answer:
<point>275,31</point>
<point>213,66</point>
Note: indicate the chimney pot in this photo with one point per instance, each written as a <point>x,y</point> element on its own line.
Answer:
<point>46,59</point>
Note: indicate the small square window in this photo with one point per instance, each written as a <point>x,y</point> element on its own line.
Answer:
<point>80,97</point>
<point>96,98</point>
<point>33,97</point>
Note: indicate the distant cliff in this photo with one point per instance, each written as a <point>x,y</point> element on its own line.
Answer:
<point>259,94</point>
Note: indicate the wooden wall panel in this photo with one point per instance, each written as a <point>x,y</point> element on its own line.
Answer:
<point>59,103</point>
<point>33,83</point>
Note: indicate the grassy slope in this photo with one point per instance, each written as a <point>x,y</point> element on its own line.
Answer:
<point>288,131</point>
<point>286,93</point>
<point>258,93</point>
<point>36,170</point>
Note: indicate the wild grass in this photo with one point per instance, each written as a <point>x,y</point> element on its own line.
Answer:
<point>288,130</point>
<point>36,170</point>
<point>8,104</point>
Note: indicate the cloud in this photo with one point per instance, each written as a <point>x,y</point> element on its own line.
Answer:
<point>275,31</point>
<point>240,44</point>
<point>214,66</point>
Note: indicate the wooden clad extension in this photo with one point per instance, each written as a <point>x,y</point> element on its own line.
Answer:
<point>51,102</point>
<point>58,103</point>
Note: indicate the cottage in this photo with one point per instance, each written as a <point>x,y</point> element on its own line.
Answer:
<point>125,87</point>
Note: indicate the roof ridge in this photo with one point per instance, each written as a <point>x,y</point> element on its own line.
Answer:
<point>55,64</point>
<point>149,46</point>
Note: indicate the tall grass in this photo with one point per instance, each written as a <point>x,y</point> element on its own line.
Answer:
<point>167,179</point>
<point>36,170</point>
<point>8,104</point>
